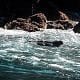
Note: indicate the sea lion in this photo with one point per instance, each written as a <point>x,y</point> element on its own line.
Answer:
<point>51,44</point>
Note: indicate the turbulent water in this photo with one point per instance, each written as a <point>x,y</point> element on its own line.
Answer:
<point>22,59</point>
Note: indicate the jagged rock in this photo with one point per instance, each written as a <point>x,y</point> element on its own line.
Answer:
<point>33,23</point>
<point>60,24</point>
<point>54,25</point>
<point>66,24</point>
<point>76,28</point>
<point>21,20</point>
<point>29,27</point>
<point>39,20</point>
<point>63,16</point>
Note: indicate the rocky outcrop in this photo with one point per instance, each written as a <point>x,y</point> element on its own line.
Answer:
<point>60,24</point>
<point>51,8</point>
<point>39,20</point>
<point>63,16</point>
<point>63,22</point>
<point>31,24</point>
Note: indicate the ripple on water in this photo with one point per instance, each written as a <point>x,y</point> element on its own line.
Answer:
<point>18,55</point>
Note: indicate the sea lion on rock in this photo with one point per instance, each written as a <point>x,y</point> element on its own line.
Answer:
<point>54,25</point>
<point>31,24</point>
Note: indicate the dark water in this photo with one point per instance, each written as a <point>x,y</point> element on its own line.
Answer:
<point>24,60</point>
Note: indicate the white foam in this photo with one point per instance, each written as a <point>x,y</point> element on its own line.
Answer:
<point>35,58</point>
<point>61,67</point>
<point>11,32</point>
<point>56,65</point>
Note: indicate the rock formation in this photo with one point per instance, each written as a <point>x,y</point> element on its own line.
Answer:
<point>38,19</point>
<point>31,24</point>
<point>60,24</point>
<point>63,16</point>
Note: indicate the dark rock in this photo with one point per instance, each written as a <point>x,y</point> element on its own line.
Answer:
<point>54,25</point>
<point>29,27</point>
<point>76,28</point>
<point>33,23</point>
<point>21,20</point>
<point>38,19</point>
<point>66,24</point>
<point>60,24</point>
<point>21,26</point>
<point>63,16</point>
<point>48,43</point>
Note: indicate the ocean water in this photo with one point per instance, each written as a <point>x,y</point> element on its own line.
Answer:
<point>22,59</point>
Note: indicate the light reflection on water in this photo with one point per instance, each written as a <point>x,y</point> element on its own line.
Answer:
<point>24,60</point>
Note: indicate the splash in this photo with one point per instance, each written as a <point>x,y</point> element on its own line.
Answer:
<point>19,55</point>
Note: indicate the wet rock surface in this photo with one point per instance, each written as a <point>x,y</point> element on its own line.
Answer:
<point>60,24</point>
<point>39,21</point>
<point>37,14</point>
<point>31,24</point>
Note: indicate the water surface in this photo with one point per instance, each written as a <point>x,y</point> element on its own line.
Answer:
<point>21,59</point>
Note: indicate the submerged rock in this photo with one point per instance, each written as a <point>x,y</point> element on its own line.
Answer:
<point>48,43</point>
